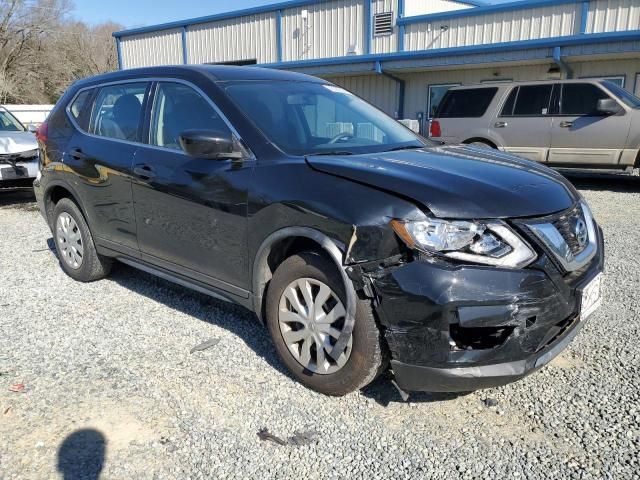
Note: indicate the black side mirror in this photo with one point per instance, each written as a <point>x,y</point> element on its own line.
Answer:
<point>209,144</point>
<point>608,106</point>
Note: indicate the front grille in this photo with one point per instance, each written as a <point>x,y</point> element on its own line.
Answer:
<point>566,225</point>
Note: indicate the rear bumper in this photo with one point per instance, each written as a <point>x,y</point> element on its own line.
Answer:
<point>461,328</point>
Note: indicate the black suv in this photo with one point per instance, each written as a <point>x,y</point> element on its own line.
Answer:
<point>359,244</point>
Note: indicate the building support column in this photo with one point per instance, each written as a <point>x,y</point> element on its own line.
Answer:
<point>566,70</point>
<point>401,26</point>
<point>185,58</point>
<point>119,53</point>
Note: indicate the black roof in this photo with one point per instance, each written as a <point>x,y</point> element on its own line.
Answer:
<point>221,73</point>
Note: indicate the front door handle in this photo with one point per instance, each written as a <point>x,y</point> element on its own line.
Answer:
<point>143,171</point>
<point>501,124</point>
<point>566,124</point>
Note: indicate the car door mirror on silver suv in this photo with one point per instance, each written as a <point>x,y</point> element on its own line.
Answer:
<point>608,106</point>
<point>209,144</point>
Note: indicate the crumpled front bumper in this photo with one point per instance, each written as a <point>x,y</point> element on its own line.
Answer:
<point>460,328</point>
<point>23,170</point>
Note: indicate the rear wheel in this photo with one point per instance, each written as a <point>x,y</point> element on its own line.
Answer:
<point>305,313</point>
<point>74,244</point>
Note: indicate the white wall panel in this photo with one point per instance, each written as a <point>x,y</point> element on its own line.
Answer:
<point>155,48</point>
<point>508,26</point>
<point>613,16</point>
<point>331,29</point>
<point>424,7</point>
<point>244,38</point>
<point>385,43</point>
<point>376,89</point>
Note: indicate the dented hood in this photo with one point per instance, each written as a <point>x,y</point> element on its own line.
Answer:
<point>17,142</point>
<point>458,181</point>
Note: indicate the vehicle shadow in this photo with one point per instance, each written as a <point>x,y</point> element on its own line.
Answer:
<point>609,182</point>
<point>82,454</point>
<point>16,197</point>
<point>384,393</point>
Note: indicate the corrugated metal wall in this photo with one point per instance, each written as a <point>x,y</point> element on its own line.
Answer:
<point>331,29</point>
<point>244,38</point>
<point>155,48</point>
<point>377,89</point>
<point>613,15</point>
<point>424,7</point>
<point>385,43</point>
<point>510,26</point>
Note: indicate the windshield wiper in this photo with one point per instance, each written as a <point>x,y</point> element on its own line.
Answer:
<point>330,152</point>
<point>405,147</point>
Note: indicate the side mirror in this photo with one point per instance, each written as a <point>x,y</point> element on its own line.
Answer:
<point>608,106</point>
<point>209,144</point>
<point>32,128</point>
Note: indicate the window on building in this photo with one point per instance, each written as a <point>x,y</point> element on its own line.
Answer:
<point>533,100</point>
<point>118,111</point>
<point>581,99</point>
<point>178,108</point>
<point>467,103</point>
<point>435,95</point>
<point>383,23</point>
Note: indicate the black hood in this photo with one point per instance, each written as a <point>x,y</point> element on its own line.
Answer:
<point>459,181</point>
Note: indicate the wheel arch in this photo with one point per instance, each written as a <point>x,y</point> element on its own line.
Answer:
<point>285,242</point>
<point>484,140</point>
<point>55,192</point>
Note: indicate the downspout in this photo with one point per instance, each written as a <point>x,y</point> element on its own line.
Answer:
<point>119,52</point>
<point>401,88</point>
<point>564,66</point>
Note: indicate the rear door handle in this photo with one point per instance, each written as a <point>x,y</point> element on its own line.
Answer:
<point>566,124</point>
<point>144,171</point>
<point>501,124</point>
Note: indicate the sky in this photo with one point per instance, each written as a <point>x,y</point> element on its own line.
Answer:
<point>137,13</point>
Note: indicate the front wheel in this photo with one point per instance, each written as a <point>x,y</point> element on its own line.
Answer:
<point>306,312</point>
<point>74,244</point>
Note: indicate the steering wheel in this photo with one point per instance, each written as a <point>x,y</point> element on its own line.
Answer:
<point>341,136</point>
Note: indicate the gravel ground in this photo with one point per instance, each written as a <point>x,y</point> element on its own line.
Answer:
<point>111,384</point>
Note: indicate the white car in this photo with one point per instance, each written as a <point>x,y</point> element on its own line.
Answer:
<point>18,152</point>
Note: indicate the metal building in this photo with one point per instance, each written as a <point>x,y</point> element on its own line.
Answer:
<point>402,55</point>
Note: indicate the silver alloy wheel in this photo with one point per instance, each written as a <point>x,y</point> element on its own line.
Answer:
<point>311,318</point>
<point>69,240</point>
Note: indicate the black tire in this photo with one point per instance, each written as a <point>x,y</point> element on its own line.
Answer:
<point>93,266</point>
<point>366,359</point>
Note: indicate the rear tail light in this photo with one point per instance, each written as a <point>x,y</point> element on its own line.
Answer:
<point>42,132</point>
<point>434,129</point>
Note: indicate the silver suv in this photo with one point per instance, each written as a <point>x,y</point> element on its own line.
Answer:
<point>564,123</point>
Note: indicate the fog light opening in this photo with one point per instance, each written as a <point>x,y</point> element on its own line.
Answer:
<point>483,338</point>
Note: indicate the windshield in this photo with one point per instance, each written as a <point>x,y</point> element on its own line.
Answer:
<point>628,98</point>
<point>9,123</point>
<point>304,118</point>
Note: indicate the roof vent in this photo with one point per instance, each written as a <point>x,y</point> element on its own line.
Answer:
<point>383,23</point>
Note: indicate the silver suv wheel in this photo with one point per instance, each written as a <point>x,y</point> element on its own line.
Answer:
<point>311,318</point>
<point>69,241</point>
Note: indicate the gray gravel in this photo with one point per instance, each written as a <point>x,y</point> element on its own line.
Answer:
<point>112,360</point>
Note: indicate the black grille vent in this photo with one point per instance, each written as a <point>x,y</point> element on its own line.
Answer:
<point>383,23</point>
<point>566,225</point>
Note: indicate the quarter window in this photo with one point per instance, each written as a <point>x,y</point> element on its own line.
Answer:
<point>118,111</point>
<point>178,108</point>
<point>79,106</point>
<point>436,94</point>
<point>533,100</point>
<point>467,103</point>
<point>581,99</point>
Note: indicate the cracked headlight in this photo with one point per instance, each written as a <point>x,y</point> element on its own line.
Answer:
<point>490,243</point>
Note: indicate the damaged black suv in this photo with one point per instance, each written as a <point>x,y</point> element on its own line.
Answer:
<point>359,244</point>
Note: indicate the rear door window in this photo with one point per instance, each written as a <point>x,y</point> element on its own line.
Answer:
<point>467,103</point>
<point>581,99</point>
<point>117,111</point>
<point>533,100</point>
<point>177,108</point>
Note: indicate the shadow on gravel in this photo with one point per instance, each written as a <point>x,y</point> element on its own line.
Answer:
<point>20,197</point>
<point>81,455</point>
<point>604,182</point>
<point>385,393</point>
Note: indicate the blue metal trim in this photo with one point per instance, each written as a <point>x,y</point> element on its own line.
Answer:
<point>220,16</point>
<point>279,35</point>
<point>368,27</point>
<point>471,12</point>
<point>400,26</point>
<point>119,52</point>
<point>584,17</point>
<point>185,58</point>
<point>552,42</point>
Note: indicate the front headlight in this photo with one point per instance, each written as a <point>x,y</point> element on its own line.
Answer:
<point>29,153</point>
<point>491,243</point>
